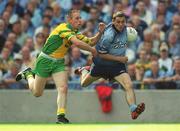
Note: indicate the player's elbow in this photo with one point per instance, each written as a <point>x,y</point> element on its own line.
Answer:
<point>76,44</point>
<point>103,56</point>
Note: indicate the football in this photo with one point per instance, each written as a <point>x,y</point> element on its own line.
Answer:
<point>131,34</point>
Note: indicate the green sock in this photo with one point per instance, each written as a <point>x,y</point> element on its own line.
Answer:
<point>28,74</point>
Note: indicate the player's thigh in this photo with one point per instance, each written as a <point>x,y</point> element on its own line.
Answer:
<point>43,67</point>
<point>60,79</point>
<point>39,83</point>
<point>125,80</point>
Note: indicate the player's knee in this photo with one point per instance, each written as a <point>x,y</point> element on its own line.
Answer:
<point>83,84</point>
<point>37,94</point>
<point>63,89</point>
<point>128,86</point>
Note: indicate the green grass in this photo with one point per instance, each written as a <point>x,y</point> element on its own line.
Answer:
<point>90,127</point>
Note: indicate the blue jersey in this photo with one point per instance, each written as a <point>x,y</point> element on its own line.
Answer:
<point>111,42</point>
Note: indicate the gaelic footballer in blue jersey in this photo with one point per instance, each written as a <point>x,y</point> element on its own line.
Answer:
<point>111,61</point>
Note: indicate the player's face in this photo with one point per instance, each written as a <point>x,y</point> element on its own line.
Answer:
<point>119,23</point>
<point>76,20</point>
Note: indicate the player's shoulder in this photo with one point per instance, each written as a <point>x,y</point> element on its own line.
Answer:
<point>64,27</point>
<point>109,28</point>
<point>109,31</point>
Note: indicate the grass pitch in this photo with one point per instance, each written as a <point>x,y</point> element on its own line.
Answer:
<point>90,127</point>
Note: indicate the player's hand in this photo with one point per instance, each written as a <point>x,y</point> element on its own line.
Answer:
<point>101,28</point>
<point>123,59</point>
<point>94,52</point>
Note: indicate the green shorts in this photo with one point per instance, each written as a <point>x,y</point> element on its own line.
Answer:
<point>45,67</point>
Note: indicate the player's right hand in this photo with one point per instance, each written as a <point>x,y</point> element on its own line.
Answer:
<point>101,27</point>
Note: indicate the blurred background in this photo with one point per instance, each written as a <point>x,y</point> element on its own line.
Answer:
<point>25,25</point>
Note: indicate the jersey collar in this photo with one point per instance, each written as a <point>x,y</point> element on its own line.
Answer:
<point>70,27</point>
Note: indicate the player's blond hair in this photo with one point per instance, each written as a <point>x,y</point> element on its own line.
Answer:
<point>118,14</point>
<point>71,12</point>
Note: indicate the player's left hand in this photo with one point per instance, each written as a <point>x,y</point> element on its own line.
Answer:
<point>102,26</point>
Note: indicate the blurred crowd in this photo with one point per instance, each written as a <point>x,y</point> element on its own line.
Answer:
<point>154,59</point>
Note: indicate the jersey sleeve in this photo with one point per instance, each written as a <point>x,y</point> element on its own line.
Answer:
<point>66,34</point>
<point>83,38</point>
<point>104,44</point>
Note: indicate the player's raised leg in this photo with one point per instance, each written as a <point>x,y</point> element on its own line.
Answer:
<point>85,76</point>
<point>125,80</point>
<point>36,83</point>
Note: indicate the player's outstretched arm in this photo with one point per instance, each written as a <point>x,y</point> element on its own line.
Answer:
<point>97,36</point>
<point>122,59</point>
<point>82,45</point>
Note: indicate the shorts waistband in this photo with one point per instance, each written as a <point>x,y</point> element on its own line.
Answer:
<point>49,57</point>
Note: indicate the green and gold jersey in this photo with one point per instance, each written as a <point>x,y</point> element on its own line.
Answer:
<point>58,42</point>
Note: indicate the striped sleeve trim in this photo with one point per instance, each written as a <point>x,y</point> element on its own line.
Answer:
<point>79,33</point>
<point>63,31</point>
<point>70,37</point>
<point>66,34</point>
<point>102,52</point>
<point>80,37</point>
